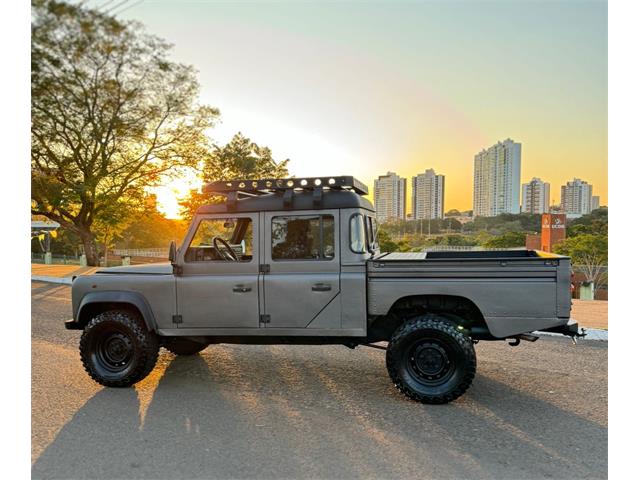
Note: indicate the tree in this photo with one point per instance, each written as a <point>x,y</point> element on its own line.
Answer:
<point>110,116</point>
<point>589,255</point>
<point>596,223</point>
<point>385,242</point>
<point>239,159</point>
<point>507,240</point>
<point>151,230</point>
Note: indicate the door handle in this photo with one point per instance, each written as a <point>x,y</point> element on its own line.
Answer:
<point>241,289</point>
<point>321,287</point>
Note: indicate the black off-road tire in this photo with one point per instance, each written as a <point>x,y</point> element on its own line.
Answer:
<point>431,360</point>
<point>117,350</point>
<point>184,346</point>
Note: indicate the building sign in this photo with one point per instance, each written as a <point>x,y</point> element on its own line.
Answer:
<point>553,221</point>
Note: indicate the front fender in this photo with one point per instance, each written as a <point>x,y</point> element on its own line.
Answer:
<point>121,297</point>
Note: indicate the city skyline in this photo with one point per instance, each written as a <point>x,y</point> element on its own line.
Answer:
<point>533,196</point>
<point>354,89</point>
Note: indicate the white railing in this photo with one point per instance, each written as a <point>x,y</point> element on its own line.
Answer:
<point>141,252</point>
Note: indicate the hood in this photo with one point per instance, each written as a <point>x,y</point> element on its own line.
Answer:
<point>163,268</point>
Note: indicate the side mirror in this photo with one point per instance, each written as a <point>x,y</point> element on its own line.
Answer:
<point>172,253</point>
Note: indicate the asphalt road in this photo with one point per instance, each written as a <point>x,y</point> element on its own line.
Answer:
<point>234,411</point>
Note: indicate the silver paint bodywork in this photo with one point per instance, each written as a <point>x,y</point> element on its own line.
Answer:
<point>222,298</point>
<point>515,295</point>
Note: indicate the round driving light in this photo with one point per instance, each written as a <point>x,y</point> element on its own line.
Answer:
<point>317,182</point>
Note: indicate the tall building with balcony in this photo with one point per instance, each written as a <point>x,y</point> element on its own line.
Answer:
<point>427,197</point>
<point>576,198</point>
<point>496,179</point>
<point>390,197</point>
<point>535,196</point>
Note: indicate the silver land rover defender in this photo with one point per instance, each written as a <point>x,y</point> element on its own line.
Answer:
<point>296,261</point>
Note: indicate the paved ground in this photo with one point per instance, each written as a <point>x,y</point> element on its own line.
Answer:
<point>535,411</point>
<point>40,269</point>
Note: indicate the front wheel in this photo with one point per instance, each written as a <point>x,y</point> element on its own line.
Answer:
<point>431,360</point>
<point>117,350</point>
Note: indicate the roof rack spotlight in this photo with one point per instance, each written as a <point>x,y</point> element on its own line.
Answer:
<point>253,187</point>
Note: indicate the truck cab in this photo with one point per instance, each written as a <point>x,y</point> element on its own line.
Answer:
<point>267,266</point>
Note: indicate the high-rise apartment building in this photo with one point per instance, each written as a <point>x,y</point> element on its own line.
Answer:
<point>595,202</point>
<point>496,179</point>
<point>576,198</point>
<point>535,196</point>
<point>390,197</point>
<point>427,198</point>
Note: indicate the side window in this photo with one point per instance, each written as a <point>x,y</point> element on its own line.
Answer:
<point>371,233</point>
<point>309,237</point>
<point>357,234</point>
<point>222,239</point>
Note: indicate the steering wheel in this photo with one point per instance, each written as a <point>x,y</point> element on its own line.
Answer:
<point>228,252</point>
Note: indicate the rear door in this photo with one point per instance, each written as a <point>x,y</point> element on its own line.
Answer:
<point>302,255</point>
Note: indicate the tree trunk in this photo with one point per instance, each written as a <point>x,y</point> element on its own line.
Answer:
<point>90,248</point>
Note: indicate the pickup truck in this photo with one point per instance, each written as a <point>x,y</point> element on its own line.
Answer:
<point>296,261</point>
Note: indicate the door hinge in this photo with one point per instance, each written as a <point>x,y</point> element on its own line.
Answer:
<point>265,319</point>
<point>177,319</point>
<point>264,268</point>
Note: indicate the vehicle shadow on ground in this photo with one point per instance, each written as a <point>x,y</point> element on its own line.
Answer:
<point>239,412</point>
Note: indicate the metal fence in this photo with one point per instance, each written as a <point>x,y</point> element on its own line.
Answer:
<point>141,252</point>
<point>56,259</point>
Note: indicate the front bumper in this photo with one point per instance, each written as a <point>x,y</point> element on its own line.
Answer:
<point>72,325</point>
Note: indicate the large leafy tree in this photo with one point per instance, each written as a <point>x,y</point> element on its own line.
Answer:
<point>589,255</point>
<point>239,159</point>
<point>111,115</point>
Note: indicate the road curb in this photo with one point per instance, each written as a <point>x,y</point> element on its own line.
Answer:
<point>593,334</point>
<point>47,279</point>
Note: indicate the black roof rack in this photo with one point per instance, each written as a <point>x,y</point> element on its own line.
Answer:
<point>269,185</point>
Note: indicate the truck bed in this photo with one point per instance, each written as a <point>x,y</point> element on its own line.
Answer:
<point>516,291</point>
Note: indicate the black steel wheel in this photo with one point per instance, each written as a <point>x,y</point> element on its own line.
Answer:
<point>431,360</point>
<point>117,350</point>
<point>184,346</point>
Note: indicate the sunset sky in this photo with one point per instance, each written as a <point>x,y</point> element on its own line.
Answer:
<point>360,88</point>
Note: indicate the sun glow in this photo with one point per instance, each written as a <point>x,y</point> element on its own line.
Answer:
<point>169,195</point>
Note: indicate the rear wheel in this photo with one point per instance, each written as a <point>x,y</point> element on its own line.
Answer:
<point>431,360</point>
<point>184,346</point>
<point>117,350</point>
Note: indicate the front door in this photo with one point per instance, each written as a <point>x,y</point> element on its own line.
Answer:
<point>302,285</point>
<point>218,286</point>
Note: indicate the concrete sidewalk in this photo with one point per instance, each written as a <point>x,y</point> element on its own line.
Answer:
<point>58,273</point>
